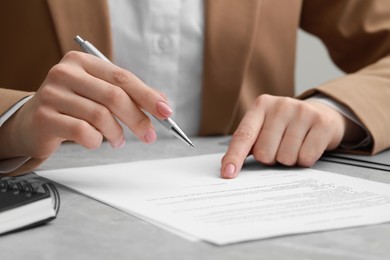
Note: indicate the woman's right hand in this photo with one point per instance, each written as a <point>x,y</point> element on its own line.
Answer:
<point>80,100</point>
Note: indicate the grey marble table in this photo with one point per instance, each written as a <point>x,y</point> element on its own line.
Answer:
<point>88,229</point>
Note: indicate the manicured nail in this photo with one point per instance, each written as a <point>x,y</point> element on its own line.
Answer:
<point>229,171</point>
<point>122,144</point>
<point>150,136</point>
<point>164,109</point>
<point>119,145</point>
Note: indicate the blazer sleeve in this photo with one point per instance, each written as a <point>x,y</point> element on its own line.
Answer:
<point>357,36</point>
<point>8,98</point>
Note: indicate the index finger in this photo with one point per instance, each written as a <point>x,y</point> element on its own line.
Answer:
<point>242,141</point>
<point>144,96</point>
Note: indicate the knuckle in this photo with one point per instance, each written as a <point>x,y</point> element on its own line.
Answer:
<point>121,76</point>
<point>286,159</point>
<point>306,114</point>
<point>244,134</point>
<point>114,96</point>
<point>262,100</point>
<point>80,130</point>
<point>321,120</point>
<point>140,123</point>
<point>307,159</point>
<point>73,55</point>
<point>99,115</point>
<point>263,156</point>
<point>311,113</point>
<point>324,120</point>
<point>278,105</point>
<point>285,104</point>
<point>47,94</point>
<point>58,72</point>
<point>301,107</point>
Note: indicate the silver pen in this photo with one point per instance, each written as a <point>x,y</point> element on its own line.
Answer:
<point>168,123</point>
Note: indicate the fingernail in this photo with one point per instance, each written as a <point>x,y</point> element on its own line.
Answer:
<point>150,136</point>
<point>229,171</point>
<point>164,109</point>
<point>119,145</point>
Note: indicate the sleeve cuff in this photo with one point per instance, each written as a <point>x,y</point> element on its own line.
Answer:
<point>10,165</point>
<point>5,116</point>
<point>345,111</point>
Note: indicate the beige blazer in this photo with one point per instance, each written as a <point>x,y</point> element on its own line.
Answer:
<point>249,50</point>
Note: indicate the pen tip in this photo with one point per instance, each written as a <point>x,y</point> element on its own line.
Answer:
<point>78,39</point>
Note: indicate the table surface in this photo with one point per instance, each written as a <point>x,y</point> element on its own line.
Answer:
<point>88,229</point>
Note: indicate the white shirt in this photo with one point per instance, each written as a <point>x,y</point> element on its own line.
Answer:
<point>161,42</point>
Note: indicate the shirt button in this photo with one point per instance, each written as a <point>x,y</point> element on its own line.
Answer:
<point>165,43</point>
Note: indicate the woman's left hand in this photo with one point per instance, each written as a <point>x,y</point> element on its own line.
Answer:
<point>286,131</point>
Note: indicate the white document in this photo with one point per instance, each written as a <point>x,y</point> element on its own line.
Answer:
<point>188,196</point>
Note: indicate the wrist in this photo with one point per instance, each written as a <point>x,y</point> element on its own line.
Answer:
<point>337,123</point>
<point>351,132</point>
<point>9,137</point>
